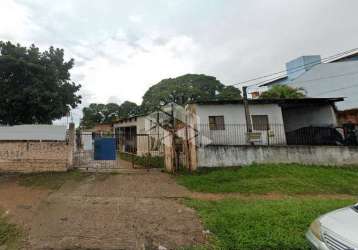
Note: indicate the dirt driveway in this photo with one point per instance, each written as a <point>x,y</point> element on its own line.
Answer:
<point>140,210</point>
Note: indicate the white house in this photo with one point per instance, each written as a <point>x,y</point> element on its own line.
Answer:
<point>224,122</point>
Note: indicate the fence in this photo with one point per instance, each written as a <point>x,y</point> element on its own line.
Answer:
<point>136,149</point>
<point>274,134</point>
<point>236,134</point>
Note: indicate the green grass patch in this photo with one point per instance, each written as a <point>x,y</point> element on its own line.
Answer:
<point>285,179</point>
<point>50,180</point>
<point>10,234</point>
<point>262,224</point>
<point>147,161</point>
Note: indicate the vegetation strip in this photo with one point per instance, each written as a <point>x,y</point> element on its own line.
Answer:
<point>267,206</point>
<point>9,234</point>
<point>262,224</point>
<point>286,179</point>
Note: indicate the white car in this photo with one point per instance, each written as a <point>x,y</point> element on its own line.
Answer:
<point>337,230</point>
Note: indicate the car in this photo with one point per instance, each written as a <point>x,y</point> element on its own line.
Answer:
<point>337,230</point>
<point>314,136</point>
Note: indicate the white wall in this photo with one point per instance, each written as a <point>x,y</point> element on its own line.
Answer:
<point>295,118</point>
<point>338,79</point>
<point>235,123</point>
<point>228,156</point>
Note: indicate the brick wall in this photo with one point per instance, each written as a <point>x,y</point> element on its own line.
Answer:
<point>35,156</point>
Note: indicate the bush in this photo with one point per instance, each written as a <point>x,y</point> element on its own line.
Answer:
<point>147,160</point>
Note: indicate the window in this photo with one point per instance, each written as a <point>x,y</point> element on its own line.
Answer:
<point>260,122</point>
<point>216,123</point>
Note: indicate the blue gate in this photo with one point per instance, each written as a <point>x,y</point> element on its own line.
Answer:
<point>105,149</point>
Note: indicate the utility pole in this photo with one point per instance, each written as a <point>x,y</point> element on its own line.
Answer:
<point>247,110</point>
<point>173,134</point>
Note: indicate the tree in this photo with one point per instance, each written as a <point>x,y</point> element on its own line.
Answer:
<point>97,113</point>
<point>283,92</point>
<point>186,88</point>
<point>128,109</point>
<point>35,86</point>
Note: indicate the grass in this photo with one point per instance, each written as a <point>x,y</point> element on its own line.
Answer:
<point>9,234</point>
<point>256,222</point>
<point>50,180</point>
<point>262,224</point>
<point>148,161</point>
<point>285,179</point>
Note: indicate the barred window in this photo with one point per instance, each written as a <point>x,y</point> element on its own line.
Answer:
<point>260,122</point>
<point>216,123</point>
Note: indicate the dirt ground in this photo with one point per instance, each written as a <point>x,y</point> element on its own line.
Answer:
<point>140,210</point>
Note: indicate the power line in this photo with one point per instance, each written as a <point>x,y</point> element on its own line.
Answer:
<point>298,68</point>
<point>323,60</point>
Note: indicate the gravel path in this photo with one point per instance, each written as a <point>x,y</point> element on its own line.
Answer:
<point>123,211</point>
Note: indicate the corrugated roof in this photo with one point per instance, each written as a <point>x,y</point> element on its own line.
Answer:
<point>33,133</point>
<point>345,57</point>
<point>274,101</point>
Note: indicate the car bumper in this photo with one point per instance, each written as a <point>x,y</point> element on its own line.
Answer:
<point>315,243</point>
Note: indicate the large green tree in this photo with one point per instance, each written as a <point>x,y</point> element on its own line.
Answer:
<point>283,92</point>
<point>35,87</point>
<point>97,113</point>
<point>186,88</point>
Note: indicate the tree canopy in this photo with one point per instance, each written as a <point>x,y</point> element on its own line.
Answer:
<point>186,88</point>
<point>36,87</point>
<point>180,90</point>
<point>283,92</point>
<point>107,113</point>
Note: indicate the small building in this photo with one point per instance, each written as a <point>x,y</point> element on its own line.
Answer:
<point>349,116</point>
<point>138,135</point>
<point>272,120</point>
<point>100,128</point>
<point>280,131</point>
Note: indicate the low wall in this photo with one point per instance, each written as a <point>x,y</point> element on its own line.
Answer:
<point>226,156</point>
<point>36,156</point>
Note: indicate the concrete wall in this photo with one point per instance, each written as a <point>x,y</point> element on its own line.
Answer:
<point>35,156</point>
<point>300,117</point>
<point>234,115</point>
<point>226,156</point>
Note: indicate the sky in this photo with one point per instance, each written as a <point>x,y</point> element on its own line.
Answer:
<point>121,48</point>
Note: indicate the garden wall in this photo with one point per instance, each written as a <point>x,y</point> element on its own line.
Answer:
<point>35,156</point>
<point>226,156</point>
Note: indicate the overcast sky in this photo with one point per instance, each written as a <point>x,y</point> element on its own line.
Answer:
<point>123,47</point>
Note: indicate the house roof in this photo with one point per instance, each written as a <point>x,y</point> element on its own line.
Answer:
<point>274,101</point>
<point>33,133</point>
<point>345,57</point>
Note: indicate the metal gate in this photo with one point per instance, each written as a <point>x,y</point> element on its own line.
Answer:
<point>141,150</point>
<point>97,151</point>
<point>106,151</point>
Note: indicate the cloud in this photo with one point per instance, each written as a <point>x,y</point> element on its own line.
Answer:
<point>123,47</point>
<point>136,18</point>
<point>127,70</point>
<point>15,22</point>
